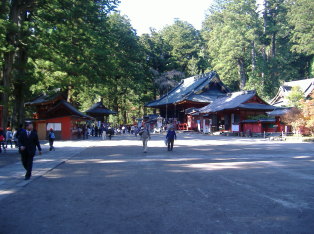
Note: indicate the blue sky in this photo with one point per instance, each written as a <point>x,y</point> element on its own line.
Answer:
<point>159,13</point>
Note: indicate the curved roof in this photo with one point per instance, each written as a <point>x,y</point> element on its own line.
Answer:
<point>99,108</point>
<point>306,86</point>
<point>204,88</point>
<point>68,109</point>
<point>236,100</point>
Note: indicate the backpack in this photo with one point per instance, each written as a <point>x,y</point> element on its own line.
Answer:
<point>52,135</point>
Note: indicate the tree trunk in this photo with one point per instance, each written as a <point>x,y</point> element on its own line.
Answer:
<point>19,110</point>
<point>7,77</point>
<point>253,54</point>
<point>20,65</point>
<point>69,93</point>
<point>155,98</point>
<point>124,110</point>
<point>241,73</point>
<point>19,87</point>
<point>273,45</point>
<point>8,60</point>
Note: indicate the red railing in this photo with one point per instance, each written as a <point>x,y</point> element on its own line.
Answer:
<point>183,126</point>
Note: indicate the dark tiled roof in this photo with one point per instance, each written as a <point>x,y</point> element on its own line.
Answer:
<point>204,88</point>
<point>257,106</point>
<point>43,99</point>
<point>99,108</point>
<point>279,112</point>
<point>70,108</point>
<point>235,100</point>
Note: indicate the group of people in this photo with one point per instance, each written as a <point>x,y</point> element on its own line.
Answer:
<point>170,137</point>
<point>106,131</point>
<point>103,131</point>
<point>7,138</point>
<point>26,139</point>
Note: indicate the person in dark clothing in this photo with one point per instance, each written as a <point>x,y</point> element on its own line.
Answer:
<point>18,132</point>
<point>28,142</point>
<point>96,131</point>
<point>51,138</point>
<point>2,140</point>
<point>110,132</point>
<point>171,136</point>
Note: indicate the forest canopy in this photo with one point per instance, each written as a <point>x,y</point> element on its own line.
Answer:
<point>90,51</point>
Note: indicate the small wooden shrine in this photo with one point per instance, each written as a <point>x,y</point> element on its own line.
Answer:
<point>53,111</point>
<point>100,112</point>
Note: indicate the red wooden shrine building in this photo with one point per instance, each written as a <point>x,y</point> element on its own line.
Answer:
<point>234,112</point>
<point>196,91</point>
<point>205,104</point>
<point>56,113</point>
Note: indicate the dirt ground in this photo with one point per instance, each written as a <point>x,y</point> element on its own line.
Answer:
<point>208,184</point>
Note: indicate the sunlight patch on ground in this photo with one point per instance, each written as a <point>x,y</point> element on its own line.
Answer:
<point>159,141</point>
<point>228,165</point>
<point>110,161</point>
<point>7,192</point>
<point>302,157</point>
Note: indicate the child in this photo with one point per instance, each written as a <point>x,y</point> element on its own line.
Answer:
<point>51,137</point>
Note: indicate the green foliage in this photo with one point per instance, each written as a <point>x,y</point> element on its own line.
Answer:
<point>301,19</point>
<point>295,97</point>
<point>93,53</point>
<point>184,45</point>
<point>229,32</point>
<point>252,49</point>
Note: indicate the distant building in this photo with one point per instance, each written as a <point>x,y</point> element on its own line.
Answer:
<point>205,104</point>
<point>281,100</point>
<point>196,91</point>
<point>52,111</point>
<point>100,112</point>
<point>228,113</point>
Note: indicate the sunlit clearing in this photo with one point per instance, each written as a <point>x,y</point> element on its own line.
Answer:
<point>7,192</point>
<point>86,161</point>
<point>111,161</point>
<point>302,157</point>
<point>228,165</point>
<point>53,176</point>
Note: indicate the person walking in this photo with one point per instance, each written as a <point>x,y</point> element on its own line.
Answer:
<point>28,141</point>
<point>51,138</point>
<point>110,132</point>
<point>18,133</point>
<point>145,135</point>
<point>2,140</point>
<point>104,133</point>
<point>171,136</point>
<point>9,137</point>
